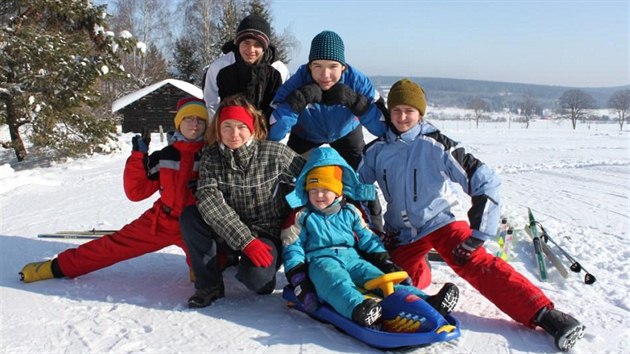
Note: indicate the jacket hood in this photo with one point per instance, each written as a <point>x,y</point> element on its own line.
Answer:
<point>326,156</point>
<point>423,128</point>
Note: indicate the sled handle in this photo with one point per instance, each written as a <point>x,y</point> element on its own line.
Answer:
<point>386,282</point>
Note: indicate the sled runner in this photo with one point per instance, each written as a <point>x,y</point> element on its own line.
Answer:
<point>407,321</point>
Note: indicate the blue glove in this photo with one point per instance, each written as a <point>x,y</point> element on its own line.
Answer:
<point>141,142</point>
<point>463,251</point>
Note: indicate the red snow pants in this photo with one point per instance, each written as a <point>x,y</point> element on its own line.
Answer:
<point>495,279</point>
<point>151,232</point>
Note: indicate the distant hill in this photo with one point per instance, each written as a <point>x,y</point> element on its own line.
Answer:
<point>457,92</point>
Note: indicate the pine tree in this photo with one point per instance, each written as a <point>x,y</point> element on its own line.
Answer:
<point>186,60</point>
<point>52,54</point>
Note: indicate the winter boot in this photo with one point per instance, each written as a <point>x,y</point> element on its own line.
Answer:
<point>565,329</point>
<point>37,271</point>
<point>445,300</point>
<point>205,297</point>
<point>267,288</point>
<point>367,313</point>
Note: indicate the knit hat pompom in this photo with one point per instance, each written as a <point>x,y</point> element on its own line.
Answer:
<point>190,106</point>
<point>254,27</point>
<point>408,93</point>
<point>327,45</point>
<point>327,177</point>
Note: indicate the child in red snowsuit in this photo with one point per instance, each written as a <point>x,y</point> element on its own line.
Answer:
<point>172,171</point>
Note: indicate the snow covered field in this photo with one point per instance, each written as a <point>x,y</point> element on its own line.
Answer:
<point>576,182</point>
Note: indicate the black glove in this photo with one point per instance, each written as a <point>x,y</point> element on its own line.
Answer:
<point>303,287</point>
<point>388,238</point>
<point>342,94</point>
<point>463,251</point>
<point>382,261</point>
<point>300,98</point>
<point>141,142</point>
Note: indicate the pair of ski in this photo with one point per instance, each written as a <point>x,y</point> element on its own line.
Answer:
<point>72,234</point>
<point>504,239</point>
<point>542,250</point>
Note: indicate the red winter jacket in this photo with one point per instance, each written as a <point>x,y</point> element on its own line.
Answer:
<point>173,171</point>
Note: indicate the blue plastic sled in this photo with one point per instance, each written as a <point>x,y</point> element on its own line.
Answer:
<point>409,320</point>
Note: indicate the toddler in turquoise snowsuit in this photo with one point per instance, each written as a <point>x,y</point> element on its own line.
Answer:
<point>327,242</point>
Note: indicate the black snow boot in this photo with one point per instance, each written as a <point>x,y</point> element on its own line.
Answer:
<point>565,329</point>
<point>367,313</point>
<point>445,300</point>
<point>205,297</point>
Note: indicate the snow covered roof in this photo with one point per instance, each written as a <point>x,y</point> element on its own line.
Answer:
<point>132,97</point>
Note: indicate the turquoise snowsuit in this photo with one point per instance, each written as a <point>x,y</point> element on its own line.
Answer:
<point>329,240</point>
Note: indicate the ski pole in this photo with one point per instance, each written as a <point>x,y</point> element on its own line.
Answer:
<point>538,253</point>
<point>575,265</point>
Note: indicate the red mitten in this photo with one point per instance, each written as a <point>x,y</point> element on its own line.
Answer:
<point>259,253</point>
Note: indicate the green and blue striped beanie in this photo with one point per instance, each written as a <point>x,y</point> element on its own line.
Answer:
<point>327,46</point>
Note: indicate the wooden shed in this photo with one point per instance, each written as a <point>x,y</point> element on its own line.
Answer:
<point>153,106</point>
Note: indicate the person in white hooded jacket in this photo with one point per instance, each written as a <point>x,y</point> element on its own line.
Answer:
<point>248,66</point>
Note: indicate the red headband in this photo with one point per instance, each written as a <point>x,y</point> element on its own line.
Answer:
<point>238,113</point>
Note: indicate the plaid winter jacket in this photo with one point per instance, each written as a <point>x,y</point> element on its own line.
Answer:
<point>241,192</point>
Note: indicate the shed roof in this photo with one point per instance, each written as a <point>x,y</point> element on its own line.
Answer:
<point>132,97</point>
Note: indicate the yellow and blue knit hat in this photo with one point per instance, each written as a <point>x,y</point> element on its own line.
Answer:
<point>190,106</point>
<point>327,46</point>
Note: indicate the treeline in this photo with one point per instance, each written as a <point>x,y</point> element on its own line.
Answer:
<point>445,92</point>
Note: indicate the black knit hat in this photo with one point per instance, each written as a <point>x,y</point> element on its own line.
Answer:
<point>327,46</point>
<point>254,27</point>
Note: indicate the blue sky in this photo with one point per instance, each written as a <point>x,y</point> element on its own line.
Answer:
<point>567,43</point>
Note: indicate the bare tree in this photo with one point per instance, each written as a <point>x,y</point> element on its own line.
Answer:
<point>620,102</point>
<point>233,13</point>
<point>479,106</point>
<point>151,23</point>
<point>574,103</point>
<point>201,21</point>
<point>528,107</point>
<point>285,42</point>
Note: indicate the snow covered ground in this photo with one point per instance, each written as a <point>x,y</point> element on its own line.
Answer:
<point>576,182</point>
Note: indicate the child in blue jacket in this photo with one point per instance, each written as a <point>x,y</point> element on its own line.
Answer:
<point>329,250</point>
<point>325,102</point>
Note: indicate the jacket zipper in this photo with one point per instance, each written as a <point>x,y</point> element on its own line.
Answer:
<point>415,186</point>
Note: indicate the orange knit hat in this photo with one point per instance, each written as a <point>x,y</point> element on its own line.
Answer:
<point>327,177</point>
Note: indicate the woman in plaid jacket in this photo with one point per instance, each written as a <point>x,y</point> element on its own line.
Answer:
<point>240,202</point>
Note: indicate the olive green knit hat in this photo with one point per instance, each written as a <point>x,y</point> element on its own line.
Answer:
<point>408,93</point>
